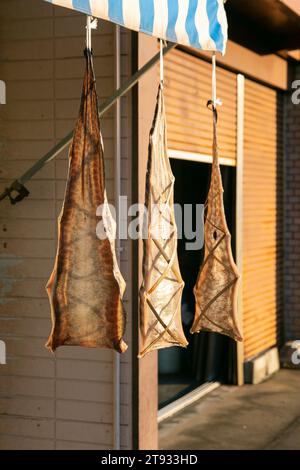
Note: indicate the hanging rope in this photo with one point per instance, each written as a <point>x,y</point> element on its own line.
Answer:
<point>91,23</point>
<point>214,102</point>
<point>161,62</point>
<point>214,80</point>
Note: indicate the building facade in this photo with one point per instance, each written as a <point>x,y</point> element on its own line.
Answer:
<point>76,399</point>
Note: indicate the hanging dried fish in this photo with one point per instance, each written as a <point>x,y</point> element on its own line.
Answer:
<point>161,290</point>
<point>216,287</point>
<point>86,287</point>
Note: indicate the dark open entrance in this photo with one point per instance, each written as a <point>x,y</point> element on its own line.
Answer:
<point>209,356</point>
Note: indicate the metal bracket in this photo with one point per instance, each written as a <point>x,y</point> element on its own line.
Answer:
<point>17,187</point>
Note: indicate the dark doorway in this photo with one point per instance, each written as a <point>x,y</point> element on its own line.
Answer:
<point>209,356</point>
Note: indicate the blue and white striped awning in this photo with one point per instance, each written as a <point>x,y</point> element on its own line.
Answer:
<point>198,23</point>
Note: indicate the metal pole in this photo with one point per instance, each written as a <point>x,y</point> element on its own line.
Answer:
<point>239,213</point>
<point>58,148</point>
<point>117,360</point>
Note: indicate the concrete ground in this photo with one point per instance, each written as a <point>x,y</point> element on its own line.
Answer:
<point>264,416</point>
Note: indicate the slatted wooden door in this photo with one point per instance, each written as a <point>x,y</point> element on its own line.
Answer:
<point>187,90</point>
<point>262,212</point>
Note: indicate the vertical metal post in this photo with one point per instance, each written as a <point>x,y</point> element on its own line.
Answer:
<point>117,174</point>
<point>239,212</point>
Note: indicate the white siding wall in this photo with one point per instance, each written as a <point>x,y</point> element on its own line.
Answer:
<point>63,401</point>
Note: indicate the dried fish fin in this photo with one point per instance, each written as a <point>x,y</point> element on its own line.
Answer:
<point>216,287</point>
<point>161,290</point>
<point>86,287</point>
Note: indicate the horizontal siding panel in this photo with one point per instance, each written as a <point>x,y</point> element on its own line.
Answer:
<point>84,411</point>
<point>27,49</point>
<point>83,390</point>
<point>86,354</point>
<point>14,386</point>
<point>16,9</point>
<point>26,427</point>
<point>13,169</point>
<point>35,327</point>
<point>25,287</point>
<point>29,367</point>
<point>24,150</point>
<point>21,346</point>
<point>27,249</point>
<point>30,209</point>
<point>84,370</point>
<point>85,432</point>
<point>72,46</point>
<point>28,130</point>
<point>29,90</point>
<point>35,110</point>
<point>28,308</point>
<point>34,407</point>
<point>25,443</point>
<point>27,228</point>
<point>28,70</point>
<point>89,391</point>
<point>70,445</point>
<point>43,28</point>
<point>72,68</point>
<point>39,190</point>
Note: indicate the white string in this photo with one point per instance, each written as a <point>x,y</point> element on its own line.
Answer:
<point>91,23</point>
<point>214,80</point>
<point>88,33</point>
<point>161,63</point>
<point>216,101</point>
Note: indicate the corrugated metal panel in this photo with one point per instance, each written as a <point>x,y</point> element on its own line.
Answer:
<point>187,90</point>
<point>65,401</point>
<point>262,263</point>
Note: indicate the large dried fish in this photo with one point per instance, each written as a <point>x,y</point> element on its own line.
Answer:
<point>216,287</point>
<point>161,290</point>
<point>85,288</point>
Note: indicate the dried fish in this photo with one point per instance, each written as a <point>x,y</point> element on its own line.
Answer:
<point>161,290</point>
<point>216,287</point>
<point>86,287</point>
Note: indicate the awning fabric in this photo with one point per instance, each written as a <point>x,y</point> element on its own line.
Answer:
<point>197,23</point>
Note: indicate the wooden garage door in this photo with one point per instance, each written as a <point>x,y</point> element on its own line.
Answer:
<point>187,90</point>
<point>262,263</point>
